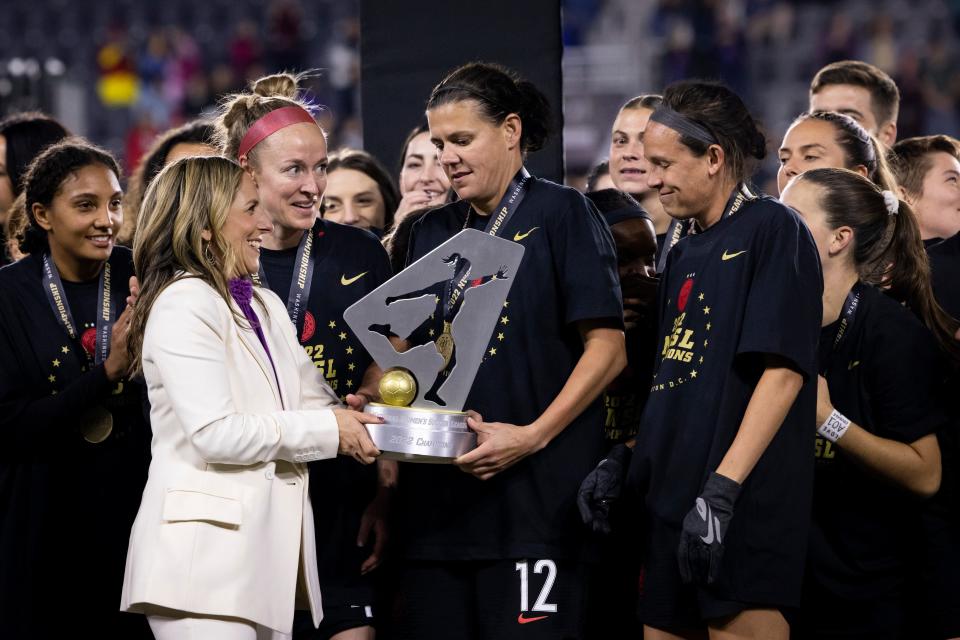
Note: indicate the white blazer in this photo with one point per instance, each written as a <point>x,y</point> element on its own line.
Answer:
<point>225,521</point>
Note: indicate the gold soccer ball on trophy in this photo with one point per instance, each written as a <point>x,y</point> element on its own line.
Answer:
<point>398,387</point>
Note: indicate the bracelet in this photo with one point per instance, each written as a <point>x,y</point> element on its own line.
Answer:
<point>834,426</point>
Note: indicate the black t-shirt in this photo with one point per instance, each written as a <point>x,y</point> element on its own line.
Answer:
<point>568,274</point>
<point>624,398</point>
<point>748,287</point>
<point>885,377</point>
<point>945,274</point>
<point>349,264</point>
<point>66,505</point>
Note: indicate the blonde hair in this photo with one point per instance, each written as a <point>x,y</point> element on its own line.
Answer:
<point>239,111</point>
<point>187,198</point>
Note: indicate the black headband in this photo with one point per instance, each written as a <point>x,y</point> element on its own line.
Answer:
<point>683,125</point>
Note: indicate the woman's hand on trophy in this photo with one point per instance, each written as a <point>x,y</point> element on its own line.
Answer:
<point>355,442</point>
<point>357,401</point>
<point>499,447</point>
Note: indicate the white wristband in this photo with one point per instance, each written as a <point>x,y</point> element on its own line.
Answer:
<point>834,426</point>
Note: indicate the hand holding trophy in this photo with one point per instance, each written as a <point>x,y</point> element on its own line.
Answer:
<point>444,308</point>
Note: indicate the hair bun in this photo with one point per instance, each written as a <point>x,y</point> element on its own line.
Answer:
<point>535,114</point>
<point>283,85</point>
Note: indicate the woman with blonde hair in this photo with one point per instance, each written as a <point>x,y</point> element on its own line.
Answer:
<point>237,409</point>
<point>272,134</point>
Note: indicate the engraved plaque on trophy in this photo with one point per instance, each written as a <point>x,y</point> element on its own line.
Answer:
<point>444,308</point>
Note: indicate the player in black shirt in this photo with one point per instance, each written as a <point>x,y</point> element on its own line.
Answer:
<point>320,268</point>
<point>495,552</point>
<point>613,590</point>
<point>636,245</point>
<point>945,274</point>
<point>878,409</point>
<point>76,445</point>
<point>722,456</point>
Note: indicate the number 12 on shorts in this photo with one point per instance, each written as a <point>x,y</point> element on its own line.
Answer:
<point>541,605</point>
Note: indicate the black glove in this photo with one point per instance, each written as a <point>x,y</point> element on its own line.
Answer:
<point>602,487</point>
<point>701,539</point>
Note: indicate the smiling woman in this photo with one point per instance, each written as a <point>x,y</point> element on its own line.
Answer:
<point>422,180</point>
<point>359,192</point>
<point>76,441</point>
<point>277,142</point>
<point>738,322</point>
<point>237,410</point>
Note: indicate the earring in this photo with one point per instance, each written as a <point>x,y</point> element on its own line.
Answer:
<point>209,255</point>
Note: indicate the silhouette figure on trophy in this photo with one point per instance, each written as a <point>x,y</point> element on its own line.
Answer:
<point>449,296</point>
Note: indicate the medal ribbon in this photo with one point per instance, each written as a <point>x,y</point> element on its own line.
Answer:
<point>508,205</point>
<point>847,315</point>
<point>676,229</point>
<point>56,297</point>
<point>302,279</point>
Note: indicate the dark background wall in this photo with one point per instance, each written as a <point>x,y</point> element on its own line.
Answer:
<point>407,47</point>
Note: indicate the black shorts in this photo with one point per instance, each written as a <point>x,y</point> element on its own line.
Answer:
<point>491,600</point>
<point>614,582</point>
<point>341,490</point>
<point>335,619</point>
<point>670,605</point>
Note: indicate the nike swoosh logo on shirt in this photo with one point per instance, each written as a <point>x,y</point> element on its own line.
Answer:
<point>731,256</point>
<point>852,365</point>
<point>523,620</point>
<point>344,280</point>
<point>520,236</point>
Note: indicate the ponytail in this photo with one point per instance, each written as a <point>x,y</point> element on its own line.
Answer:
<point>887,251</point>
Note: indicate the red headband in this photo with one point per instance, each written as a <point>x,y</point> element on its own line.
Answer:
<point>270,124</point>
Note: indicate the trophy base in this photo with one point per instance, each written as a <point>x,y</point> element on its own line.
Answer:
<point>412,434</point>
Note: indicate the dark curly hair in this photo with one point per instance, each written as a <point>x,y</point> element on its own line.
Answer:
<point>45,176</point>
<point>499,92</point>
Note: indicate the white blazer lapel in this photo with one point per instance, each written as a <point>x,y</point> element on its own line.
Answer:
<point>250,340</point>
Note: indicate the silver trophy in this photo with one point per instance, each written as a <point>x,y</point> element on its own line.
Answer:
<point>444,307</point>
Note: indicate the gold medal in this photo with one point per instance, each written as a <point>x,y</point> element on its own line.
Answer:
<point>445,343</point>
<point>96,424</point>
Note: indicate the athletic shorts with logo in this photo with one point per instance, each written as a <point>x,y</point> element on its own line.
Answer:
<point>530,598</point>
